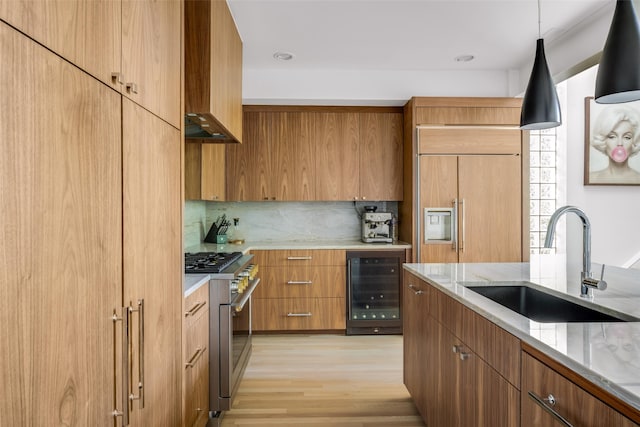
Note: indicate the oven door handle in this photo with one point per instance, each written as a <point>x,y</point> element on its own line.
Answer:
<point>239,303</point>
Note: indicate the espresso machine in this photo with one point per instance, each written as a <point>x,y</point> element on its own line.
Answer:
<point>376,226</point>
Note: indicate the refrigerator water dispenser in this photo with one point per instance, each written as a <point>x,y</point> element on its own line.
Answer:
<point>439,225</point>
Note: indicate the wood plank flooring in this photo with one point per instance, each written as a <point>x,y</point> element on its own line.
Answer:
<point>324,380</point>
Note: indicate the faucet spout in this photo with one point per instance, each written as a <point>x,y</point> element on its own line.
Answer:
<point>586,242</point>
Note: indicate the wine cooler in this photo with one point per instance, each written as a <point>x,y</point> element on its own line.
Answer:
<point>374,296</point>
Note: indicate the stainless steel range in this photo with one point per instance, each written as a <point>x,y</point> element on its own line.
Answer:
<point>233,280</point>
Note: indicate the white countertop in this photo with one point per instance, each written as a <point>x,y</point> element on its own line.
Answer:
<point>191,282</point>
<point>607,354</point>
<point>296,244</point>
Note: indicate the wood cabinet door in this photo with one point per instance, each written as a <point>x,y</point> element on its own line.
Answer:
<point>86,33</point>
<point>152,267</point>
<point>247,168</point>
<point>335,139</point>
<point>438,189</point>
<point>60,240</point>
<point>416,336</point>
<point>291,154</point>
<point>204,171</point>
<point>490,213</point>
<point>151,56</point>
<point>381,156</point>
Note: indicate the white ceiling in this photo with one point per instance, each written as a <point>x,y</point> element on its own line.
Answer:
<point>396,37</point>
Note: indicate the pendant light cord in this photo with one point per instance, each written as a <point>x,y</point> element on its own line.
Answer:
<point>539,19</point>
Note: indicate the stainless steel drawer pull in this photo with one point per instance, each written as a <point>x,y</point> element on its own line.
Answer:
<point>299,282</point>
<point>416,290</point>
<point>548,407</point>
<point>195,357</point>
<point>464,356</point>
<point>196,307</point>
<point>299,258</point>
<point>299,314</point>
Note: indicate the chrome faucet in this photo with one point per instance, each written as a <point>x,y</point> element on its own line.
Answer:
<point>586,281</point>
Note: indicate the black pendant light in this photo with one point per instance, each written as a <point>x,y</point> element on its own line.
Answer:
<point>618,77</point>
<point>540,106</point>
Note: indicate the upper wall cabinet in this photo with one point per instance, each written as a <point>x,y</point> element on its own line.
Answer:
<point>317,153</point>
<point>213,72</point>
<point>151,56</point>
<point>131,45</point>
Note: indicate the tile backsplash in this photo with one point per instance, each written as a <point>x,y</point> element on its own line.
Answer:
<point>280,221</point>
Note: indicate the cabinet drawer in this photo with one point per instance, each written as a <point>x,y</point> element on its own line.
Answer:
<point>197,392</point>
<point>493,344</point>
<point>196,304</point>
<point>447,311</point>
<point>291,314</point>
<point>577,406</point>
<point>301,281</point>
<point>298,257</point>
<point>196,370</point>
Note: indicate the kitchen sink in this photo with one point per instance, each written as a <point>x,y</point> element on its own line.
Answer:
<point>541,306</point>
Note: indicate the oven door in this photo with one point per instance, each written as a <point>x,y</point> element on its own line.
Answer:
<point>235,344</point>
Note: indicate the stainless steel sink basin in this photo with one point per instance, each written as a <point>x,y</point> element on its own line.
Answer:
<point>541,306</point>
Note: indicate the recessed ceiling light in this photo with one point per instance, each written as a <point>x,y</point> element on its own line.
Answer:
<point>464,58</point>
<point>283,56</point>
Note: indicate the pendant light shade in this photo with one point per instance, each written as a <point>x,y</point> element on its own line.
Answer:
<point>618,77</point>
<point>540,106</point>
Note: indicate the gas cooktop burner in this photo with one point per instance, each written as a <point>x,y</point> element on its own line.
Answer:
<point>209,262</point>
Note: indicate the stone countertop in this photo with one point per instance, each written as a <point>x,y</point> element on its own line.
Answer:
<point>191,282</point>
<point>297,244</point>
<point>607,354</point>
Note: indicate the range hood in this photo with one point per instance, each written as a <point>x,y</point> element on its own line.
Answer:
<point>213,73</point>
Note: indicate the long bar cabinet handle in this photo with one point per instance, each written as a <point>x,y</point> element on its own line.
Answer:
<point>299,314</point>
<point>416,290</point>
<point>547,407</point>
<point>462,209</point>
<point>126,320</point>
<point>196,307</point>
<point>299,258</point>
<point>140,311</point>
<point>299,282</point>
<point>454,226</point>
<point>191,363</point>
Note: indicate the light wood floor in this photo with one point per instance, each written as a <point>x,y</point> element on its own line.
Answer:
<point>324,380</point>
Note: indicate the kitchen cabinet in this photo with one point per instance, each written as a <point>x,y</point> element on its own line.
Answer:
<point>92,248</point>
<point>151,56</point>
<point>380,156</point>
<point>451,382</point>
<point>61,239</point>
<point>275,161</point>
<point>336,140</point>
<point>317,153</point>
<point>132,46</point>
<point>473,128</point>
<point>86,33</point>
<point>301,290</point>
<point>213,67</point>
<point>196,358</point>
<point>483,188</point>
<point>416,353</point>
<point>152,262</point>
<point>545,392</point>
<point>204,171</point>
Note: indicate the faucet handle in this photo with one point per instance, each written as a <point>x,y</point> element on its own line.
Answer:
<point>599,284</point>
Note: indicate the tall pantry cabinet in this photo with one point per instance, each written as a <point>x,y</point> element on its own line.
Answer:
<point>465,180</point>
<point>90,183</point>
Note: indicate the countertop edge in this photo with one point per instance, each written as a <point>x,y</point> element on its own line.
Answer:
<point>193,282</point>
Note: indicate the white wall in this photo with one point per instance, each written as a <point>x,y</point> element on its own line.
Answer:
<point>612,210</point>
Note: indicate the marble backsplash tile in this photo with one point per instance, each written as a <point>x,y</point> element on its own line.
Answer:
<point>280,221</point>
